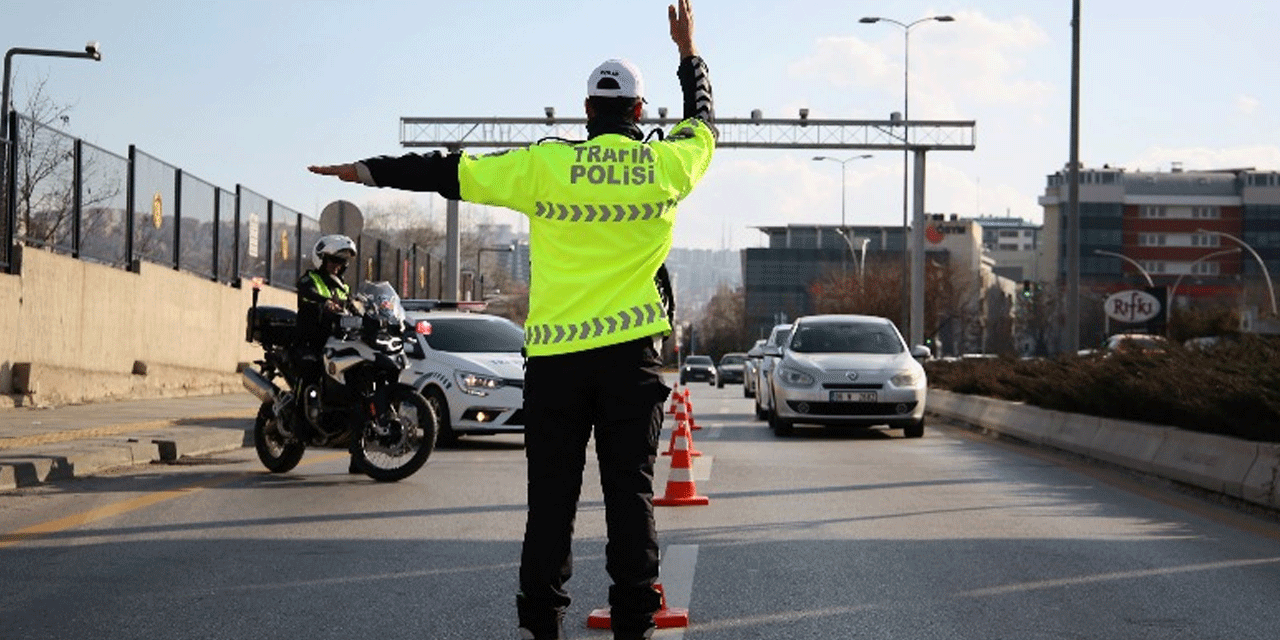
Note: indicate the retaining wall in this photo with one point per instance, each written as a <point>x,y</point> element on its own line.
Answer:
<point>73,331</point>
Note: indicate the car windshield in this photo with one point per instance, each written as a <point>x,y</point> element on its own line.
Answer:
<point>732,359</point>
<point>780,337</point>
<point>481,334</point>
<point>698,360</point>
<point>846,337</point>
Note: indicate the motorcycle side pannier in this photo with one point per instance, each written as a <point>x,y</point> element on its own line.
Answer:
<point>271,325</point>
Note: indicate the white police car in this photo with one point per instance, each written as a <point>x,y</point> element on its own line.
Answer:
<point>468,365</point>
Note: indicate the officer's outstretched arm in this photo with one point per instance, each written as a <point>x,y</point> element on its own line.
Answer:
<point>412,172</point>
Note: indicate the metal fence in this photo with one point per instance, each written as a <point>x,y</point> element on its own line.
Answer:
<point>67,196</point>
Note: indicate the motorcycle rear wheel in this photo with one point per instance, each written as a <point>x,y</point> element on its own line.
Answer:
<point>277,453</point>
<point>396,457</point>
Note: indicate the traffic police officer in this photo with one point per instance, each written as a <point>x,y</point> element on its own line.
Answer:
<point>601,214</point>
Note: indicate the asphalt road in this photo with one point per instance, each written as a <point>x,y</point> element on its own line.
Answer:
<point>828,534</point>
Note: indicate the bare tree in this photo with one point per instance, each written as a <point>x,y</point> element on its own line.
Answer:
<point>875,292</point>
<point>45,193</point>
<point>723,325</point>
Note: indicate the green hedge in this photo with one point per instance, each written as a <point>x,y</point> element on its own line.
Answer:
<point>1230,389</point>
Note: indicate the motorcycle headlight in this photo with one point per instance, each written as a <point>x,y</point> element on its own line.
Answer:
<point>477,384</point>
<point>794,377</point>
<point>907,378</point>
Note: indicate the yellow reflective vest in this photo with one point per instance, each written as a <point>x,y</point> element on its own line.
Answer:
<point>601,214</point>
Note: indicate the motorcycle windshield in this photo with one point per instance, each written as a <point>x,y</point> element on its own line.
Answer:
<point>381,301</point>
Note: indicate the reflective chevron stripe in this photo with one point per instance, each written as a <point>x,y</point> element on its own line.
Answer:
<point>595,327</point>
<point>602,212</point>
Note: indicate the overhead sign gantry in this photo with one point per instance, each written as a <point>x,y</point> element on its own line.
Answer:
<point>919,137</point>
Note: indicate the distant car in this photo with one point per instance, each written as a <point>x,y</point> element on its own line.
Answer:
<point>1137,342</point>
<point>730,369</point>
<point>848,370</point>
<point>698,369</point>
<point>754,355</point>
<point>764,399</point>
<point>469,367</point>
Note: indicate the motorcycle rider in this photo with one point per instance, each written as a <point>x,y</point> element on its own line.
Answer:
<point>322,297</point>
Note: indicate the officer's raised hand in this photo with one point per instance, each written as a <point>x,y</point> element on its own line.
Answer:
<point>681,20</point>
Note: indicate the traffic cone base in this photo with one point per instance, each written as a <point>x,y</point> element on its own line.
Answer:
<point>681,490</point>
<point>665,618</point>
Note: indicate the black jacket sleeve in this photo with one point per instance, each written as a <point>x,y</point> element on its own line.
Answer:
<point>695,84</point>
<point>434,171</point>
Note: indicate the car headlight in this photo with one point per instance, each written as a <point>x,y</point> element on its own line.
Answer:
<point>477,384</point>
<point>794,377</point>
<point>908,378</point>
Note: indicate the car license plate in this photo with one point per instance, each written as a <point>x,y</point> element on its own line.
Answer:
<point>853,396</point>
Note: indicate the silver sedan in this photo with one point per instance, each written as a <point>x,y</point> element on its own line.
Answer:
<point>848,370</point>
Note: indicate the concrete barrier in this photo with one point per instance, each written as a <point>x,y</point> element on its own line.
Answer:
<point>1128,443</point>
<point>1262,484</point>
<point>1214,462</point>
<point>1230,466</point>
<point>1071,431</point>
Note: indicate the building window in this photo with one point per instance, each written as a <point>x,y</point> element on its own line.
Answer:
<point>1204,240</point>
<point>1205,212</point>
<point>1151,239</point>
<point>1152,211</point>
<point>1205,268</point>
<point>1154,267</point>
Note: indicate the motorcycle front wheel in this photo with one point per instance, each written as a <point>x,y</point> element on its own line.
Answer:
<point>277,452</point>
<point>401,440</point>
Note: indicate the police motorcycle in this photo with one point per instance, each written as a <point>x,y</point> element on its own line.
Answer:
<point>359,402</point>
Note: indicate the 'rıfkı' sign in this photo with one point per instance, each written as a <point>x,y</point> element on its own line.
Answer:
<point>1132,306</point>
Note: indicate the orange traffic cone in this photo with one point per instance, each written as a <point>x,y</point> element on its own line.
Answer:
<point>665,618</point>
<point>675,400</point>
<point>681,491</point>
<point>681,436</point>
<point>688,411</point>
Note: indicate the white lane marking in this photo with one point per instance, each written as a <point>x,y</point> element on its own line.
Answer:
<point>676,575</point>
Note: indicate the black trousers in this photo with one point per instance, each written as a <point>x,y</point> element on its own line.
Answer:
<point>617,391</point>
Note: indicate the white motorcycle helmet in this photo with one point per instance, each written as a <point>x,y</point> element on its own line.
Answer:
<point>338,246</point>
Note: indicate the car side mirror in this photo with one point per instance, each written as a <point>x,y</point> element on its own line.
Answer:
<point>921,352</point>
<point>773,351</point>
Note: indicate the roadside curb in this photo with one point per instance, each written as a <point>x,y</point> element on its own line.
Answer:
<point>142,443</point>
<point>1238,468</point>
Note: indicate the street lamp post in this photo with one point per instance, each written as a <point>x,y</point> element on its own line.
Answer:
<point>480,276</point>
<point>862,256</point>
<point>1130,261</point>
<point>1263,265</point>
<point>7,208</point>
<point>1173,292</point>
<point>91,51</point>
<point>906,153</point>
<point>844,163</point>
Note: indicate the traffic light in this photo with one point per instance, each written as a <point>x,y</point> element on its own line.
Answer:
<point>1026,289</point>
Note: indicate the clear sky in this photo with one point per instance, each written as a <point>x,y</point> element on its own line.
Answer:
<point>240,92</point>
